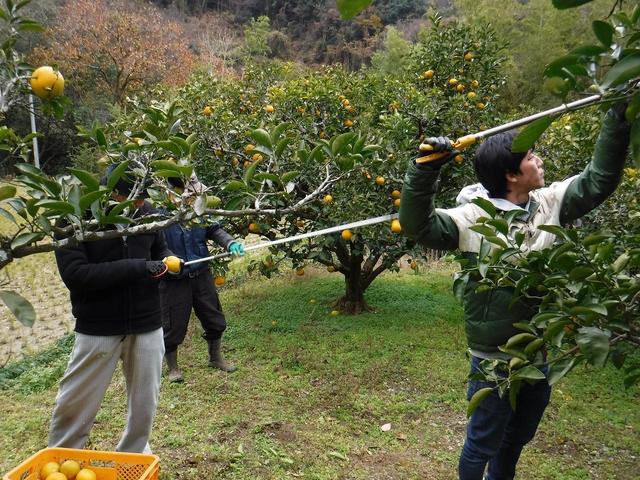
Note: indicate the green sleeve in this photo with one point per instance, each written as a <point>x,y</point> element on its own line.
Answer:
<point>418,216</point>
<point>601,177</point>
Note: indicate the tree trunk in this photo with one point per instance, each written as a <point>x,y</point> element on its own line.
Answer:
<point>352,302</point>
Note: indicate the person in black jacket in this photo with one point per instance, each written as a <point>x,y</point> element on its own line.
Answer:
<point>113,286</point>
<point>194,288</point>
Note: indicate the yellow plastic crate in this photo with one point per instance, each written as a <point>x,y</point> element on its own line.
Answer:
<point>106,465</point>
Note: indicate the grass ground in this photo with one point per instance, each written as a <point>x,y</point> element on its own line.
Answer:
<point>313,391</point>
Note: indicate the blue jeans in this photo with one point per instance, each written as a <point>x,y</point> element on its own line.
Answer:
<point>496,434</point>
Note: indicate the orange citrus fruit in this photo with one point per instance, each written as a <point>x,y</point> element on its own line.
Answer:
<point>207,111</point>
<point>172,263</point>
<point>219,280</point>
<point>380,180</point>
<point>395,226</point>
<point>346,235</point>
<point>327,199</point>
<point>269,109</point>
<point>86,474</point>
<point>56,476</point>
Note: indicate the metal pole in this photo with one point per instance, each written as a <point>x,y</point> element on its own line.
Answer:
<point>32,114</point>
<point>302,236</point>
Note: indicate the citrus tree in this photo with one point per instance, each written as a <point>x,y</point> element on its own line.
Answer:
<point>290,151</point>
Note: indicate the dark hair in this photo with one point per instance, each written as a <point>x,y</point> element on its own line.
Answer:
<point>125,183</point>
<point>494,159</point>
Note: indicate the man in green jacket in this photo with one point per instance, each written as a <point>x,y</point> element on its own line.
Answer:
<point>496,434</point>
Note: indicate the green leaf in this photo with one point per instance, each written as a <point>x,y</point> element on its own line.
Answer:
<point>604,32</point>
<point>339,142</point>
<point>345,162</point>
<point>527,138</point>
<point>496,241</point>
<point>25,239</point>
<point>262,137</point>
<point>500,224</point>
<point>580,272</point>
<point>589,50</point>
<point>594,239</point>
<point>87,178</point>
<point>164,165</point>
<point>564,4</point>
<point>350,8</point>
<point>477,398</point>
<point>559,369</point>
<point>279,130</point>
<point>7,191</point>
<point>87,199</point>
<point>170,146</point>
<point>116,174</point>
<point>234,185</point>
<point>57,206</point>
<point>625,69</point>
<point>486,205</point>
<point>182,143</point>
<point>261,176</point>
<point>633,109</point>
<point>281,145</point>
<point>288,176</point>
<point>20,307</point>
<point>316,153</point>
<point>555,68</point>
<point>594,308</point>
<point>100,138</point>
<point>248,175</point>
<point>482,230</point>
<point>529,373</point>
<point>594,344</point>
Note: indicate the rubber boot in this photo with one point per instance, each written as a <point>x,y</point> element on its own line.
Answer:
<point>216,360</point>
<point>175,375</point>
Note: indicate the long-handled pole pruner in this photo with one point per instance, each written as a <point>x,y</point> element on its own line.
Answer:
<point>460,144</point>
<point>468,140</point>
<point>302,236</point>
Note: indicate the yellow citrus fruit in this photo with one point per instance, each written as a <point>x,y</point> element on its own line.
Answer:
<point>219,280</point>
<point>395,194</point>
<point>453,82</point>
<point>172,263</point>
<point>471,95</point>
<point>254,227</point>
<point>348,122</point>
<point>56,476</point>
<point>235,162</point>
<point>49,468</point>
<point>460,87</point>
<point>334,313</point>
<point>256,157</point>
<point>249,147</point>
<point>380,180</point>
<point>395,226</point>
<point>327,199</point>
<point>413,265</point>
<point>474,83</point>
<point>346,235</point>
<point>269,109</point>
<point>480,105</point>
<point>396,203</point>
<point>331,268</point>
<point>70,468</point>
<point>47,83</point>
<point>300,271</point>
<point>86,474</point>
<point>468,56</point>
<point>207,111</point>
<point>428,74</point>
<point>246,164</point>
<point>345,102</point>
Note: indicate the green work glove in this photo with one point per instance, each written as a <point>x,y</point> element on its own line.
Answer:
<point>236,248</point>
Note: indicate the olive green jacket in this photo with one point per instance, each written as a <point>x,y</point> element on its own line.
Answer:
<point>489,314</point>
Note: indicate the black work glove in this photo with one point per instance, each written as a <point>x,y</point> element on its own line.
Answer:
<point>618,109</point>
<point>156,268</point>
<point>440,145</point>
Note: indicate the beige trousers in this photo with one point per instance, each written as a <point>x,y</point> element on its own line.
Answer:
<point>90,371</point>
